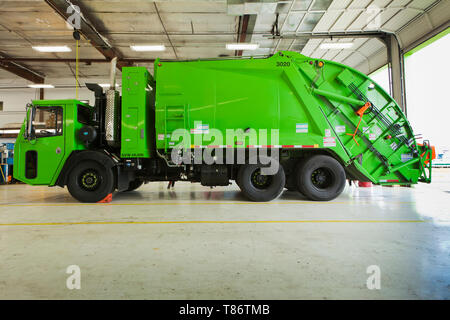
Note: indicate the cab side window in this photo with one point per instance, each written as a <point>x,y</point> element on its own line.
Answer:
<point>48,121</point>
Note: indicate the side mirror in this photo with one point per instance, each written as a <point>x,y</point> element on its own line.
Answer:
<point>29,132</point>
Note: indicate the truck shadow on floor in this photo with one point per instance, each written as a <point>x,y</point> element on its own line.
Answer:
<point>181,195</point>
<point>232,195</point>
<point>219,195</point>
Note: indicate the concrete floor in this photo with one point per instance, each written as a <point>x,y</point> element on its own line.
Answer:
<point>198,243</point>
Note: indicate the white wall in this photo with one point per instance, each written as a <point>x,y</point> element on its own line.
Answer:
<point>13,108</point>
<point>15,100</point>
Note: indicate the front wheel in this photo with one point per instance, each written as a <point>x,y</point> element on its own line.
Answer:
<point>259,187</point>
<point>90,181</point>
<point>320,178</point>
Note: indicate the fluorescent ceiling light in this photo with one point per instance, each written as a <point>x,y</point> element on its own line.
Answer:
<point>149,48</point>
<point>52,48</point>
<point>106,85</point>
<point>41,86</point>
<point>9,131</point>
<point>242,46</point>
<point>336,45</point>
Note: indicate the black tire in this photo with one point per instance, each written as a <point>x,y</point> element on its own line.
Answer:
<point>134,184</point>
<point>257,187</point>
<point>320,178</point>
<point>90,181</point>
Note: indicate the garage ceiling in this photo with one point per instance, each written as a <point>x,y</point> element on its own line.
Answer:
<point>200,29</point>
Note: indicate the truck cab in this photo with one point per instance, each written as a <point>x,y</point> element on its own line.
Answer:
<point>47,138</point>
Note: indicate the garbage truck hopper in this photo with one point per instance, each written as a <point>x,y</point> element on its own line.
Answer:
<point>314,103</point>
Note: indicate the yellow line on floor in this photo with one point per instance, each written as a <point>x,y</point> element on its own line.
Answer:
<point>203,221</point>
<point>185,203</point>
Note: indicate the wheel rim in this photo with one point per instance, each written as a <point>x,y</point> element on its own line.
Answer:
<point>90,180</point>
<point>322,178</point>
<point>260,181</point>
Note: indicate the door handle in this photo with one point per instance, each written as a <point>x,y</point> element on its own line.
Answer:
<point>58,150</point>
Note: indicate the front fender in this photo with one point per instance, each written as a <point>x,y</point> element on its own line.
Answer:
<point>100,156</point>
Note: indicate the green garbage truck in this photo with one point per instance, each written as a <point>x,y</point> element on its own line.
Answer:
<point>285,121</point>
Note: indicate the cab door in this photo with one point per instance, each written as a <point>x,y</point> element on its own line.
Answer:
<point>41,154</point>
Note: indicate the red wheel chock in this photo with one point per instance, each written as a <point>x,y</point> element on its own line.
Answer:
<point>364,184</point>
<point>106,199</point>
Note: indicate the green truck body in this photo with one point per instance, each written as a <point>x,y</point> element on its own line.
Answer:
<point>290,104</point>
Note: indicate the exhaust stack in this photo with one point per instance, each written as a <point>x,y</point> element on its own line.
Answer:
<point>112,109</point>
<point>112,73</point>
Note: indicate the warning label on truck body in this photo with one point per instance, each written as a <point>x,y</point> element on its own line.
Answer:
<point>393,146</point>
<point>329,142</point>
<point>340,129</point>
<point>201,129</point>
<point>301,128</point>
<point>406,156</point>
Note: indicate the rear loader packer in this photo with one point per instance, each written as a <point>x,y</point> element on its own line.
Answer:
<point>286,121</point>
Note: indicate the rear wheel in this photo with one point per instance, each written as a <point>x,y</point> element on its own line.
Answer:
<point>90,181</point>
<point>320,178</point>
<point>134,185</point>
<point>259,187</point>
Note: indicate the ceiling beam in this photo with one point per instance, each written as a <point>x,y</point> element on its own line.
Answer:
<point>337,34</point>
<point>126,62</point>
<point>88,29</point>
<point>20,70</point>
<point>165,30</point>
<point>243,31</point>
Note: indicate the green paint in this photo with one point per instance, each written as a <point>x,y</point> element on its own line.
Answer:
<point>338,97</point>
<point>275,93</point>
<point>52,151</point>
<point>138,113</point>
